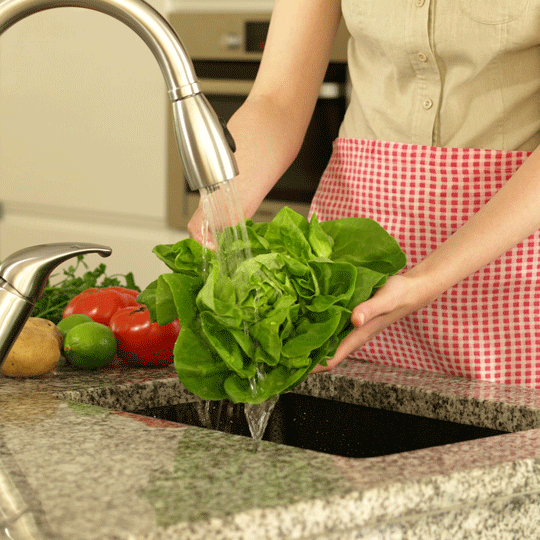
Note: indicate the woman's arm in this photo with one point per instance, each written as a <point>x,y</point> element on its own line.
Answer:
<point>509,217</point>
<point>269,127</point>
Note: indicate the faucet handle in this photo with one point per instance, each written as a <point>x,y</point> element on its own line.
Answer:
<point>28,270</point>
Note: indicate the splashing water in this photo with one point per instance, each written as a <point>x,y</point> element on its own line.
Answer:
<point>226,416</point>
<point>224,229</point>
<point>257,416</point>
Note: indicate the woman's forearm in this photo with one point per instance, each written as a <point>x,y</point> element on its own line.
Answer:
<point>510,216</point>
<point>269,127</point>
<point>267,141</point>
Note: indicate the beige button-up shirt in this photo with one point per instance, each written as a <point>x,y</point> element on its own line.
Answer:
<point>457,73</point>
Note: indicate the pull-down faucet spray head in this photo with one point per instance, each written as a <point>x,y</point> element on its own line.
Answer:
<point>207,157</point>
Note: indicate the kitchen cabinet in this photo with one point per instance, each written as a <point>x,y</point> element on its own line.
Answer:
<point>83,112</point>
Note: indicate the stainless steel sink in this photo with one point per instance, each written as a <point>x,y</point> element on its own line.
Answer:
<point>328,426</point>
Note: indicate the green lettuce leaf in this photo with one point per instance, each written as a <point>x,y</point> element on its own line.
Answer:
<point>259,327</point>
<point>363,242</point>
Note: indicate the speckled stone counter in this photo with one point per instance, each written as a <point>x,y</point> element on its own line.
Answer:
<point>77,464</point>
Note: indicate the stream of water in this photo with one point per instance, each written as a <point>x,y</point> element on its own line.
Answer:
<point>258,415</point>
<point>223,226</point>
<point>227,417</point>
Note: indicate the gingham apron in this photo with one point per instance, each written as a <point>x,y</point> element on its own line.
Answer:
<point>487,326</point>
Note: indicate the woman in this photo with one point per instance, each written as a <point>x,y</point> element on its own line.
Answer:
<point>438,145</point>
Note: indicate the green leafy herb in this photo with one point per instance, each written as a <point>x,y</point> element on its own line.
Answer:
<point>56,296</point>
<point>261,330</point>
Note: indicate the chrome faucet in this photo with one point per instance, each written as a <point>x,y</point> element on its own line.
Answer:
<point>205,146</point>
<point>23,277</point>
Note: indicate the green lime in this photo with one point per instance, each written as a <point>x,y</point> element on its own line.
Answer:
<point>90,345</point>
<point>65,325</point>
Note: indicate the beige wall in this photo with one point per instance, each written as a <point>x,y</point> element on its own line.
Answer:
<point>82,137</point>
<point>82,113</point>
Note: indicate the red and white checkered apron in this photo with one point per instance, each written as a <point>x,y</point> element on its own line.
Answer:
<point>487,326</point>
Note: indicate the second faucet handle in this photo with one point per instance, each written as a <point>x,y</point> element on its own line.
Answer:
<point>28,270</point>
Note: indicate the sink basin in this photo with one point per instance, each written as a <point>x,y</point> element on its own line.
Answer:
<point>327,426</point>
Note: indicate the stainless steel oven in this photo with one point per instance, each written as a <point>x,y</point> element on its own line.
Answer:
<point>226,49</point>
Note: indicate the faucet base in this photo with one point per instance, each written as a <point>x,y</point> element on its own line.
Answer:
<point>13,309</point>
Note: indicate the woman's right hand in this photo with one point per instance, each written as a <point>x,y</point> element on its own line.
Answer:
<point>271,124</point>
<point>250,196</point>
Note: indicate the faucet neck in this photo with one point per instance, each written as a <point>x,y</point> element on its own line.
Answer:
<point>203,145</point>
<point>142,18</point>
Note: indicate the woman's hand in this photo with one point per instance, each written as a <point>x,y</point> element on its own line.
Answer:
<point>270,126</point>
<point>249,196</point>
<point>399,296</point>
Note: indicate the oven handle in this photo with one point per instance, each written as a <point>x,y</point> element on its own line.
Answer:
<point>227,87</point>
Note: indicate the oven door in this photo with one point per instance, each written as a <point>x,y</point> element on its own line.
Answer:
<point>299,183</point>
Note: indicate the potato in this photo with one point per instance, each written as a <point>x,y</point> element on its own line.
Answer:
<point>35,352</point>
<point>50,326</point>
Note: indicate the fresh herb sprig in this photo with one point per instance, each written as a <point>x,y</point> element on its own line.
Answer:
<point>56,296</point>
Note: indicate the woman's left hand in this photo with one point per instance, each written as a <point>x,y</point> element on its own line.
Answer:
<point>398,297</point>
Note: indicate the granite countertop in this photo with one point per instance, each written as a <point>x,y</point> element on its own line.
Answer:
<point>76,464</point>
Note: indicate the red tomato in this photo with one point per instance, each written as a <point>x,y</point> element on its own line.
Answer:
<point>123,290</point>
<point>142,342</point>
<point>100,304</point>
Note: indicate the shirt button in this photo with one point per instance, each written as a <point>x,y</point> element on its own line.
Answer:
<point>422,57</point>
<point>427,104</point>
<point>419,3</point>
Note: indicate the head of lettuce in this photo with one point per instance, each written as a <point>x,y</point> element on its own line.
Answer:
<point>259,329</point>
